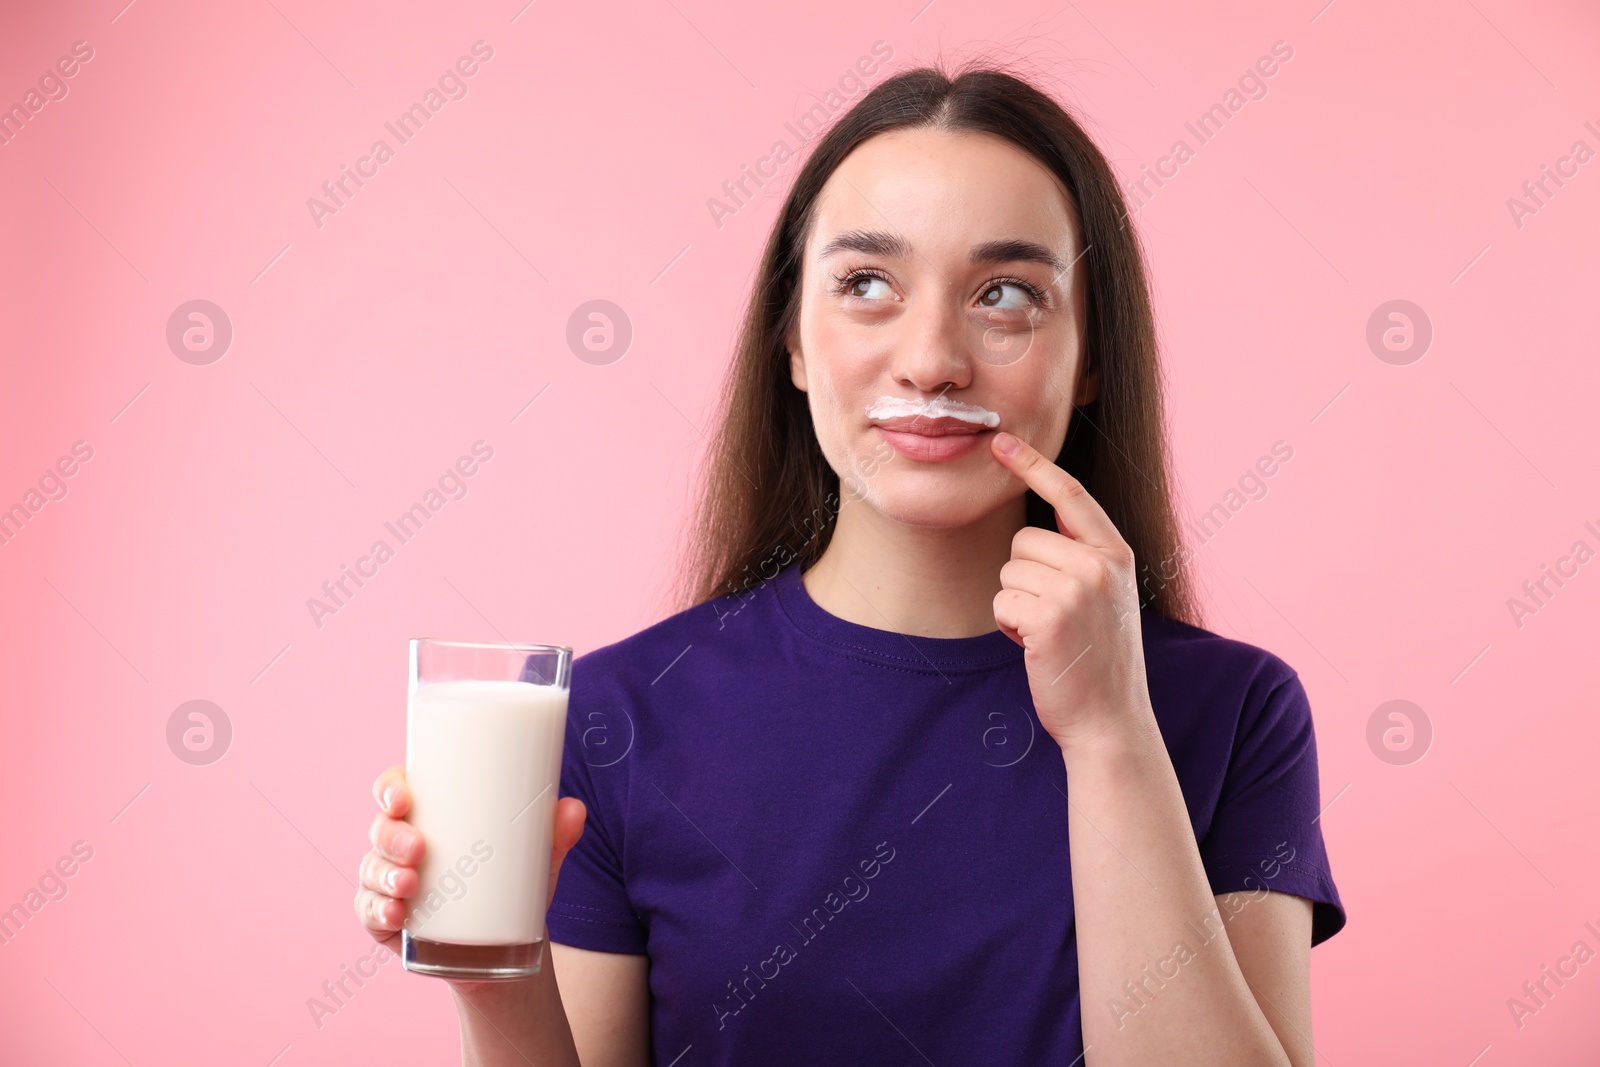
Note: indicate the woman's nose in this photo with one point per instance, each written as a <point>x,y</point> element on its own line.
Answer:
<point>933,351</point>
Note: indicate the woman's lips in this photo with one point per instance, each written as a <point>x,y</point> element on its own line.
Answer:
<point>935,440</point>
<point>932,430</point>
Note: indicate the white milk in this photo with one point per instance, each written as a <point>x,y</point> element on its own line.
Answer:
<point>477,753</point>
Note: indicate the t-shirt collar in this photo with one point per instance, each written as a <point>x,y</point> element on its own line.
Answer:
<point>889,648</point>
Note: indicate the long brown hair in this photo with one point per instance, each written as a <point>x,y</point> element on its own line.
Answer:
<point>769,495</point>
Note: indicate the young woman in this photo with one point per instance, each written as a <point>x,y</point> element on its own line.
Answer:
<point>940,767</point>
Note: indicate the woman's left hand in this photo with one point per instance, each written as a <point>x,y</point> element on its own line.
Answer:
<point>1070,599</point>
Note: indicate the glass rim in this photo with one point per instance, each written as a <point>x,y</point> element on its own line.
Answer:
<point>496,646</point>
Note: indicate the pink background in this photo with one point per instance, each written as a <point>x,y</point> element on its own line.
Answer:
<point>372,351</point>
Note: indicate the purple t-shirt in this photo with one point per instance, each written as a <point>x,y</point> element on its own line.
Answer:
<point>840,844</point>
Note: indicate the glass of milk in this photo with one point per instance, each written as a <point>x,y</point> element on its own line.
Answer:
<point>485,724</point>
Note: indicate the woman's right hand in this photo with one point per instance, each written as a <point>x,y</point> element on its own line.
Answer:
<point>389,871</point>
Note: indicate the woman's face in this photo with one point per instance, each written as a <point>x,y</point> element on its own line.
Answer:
<point>939,268</point>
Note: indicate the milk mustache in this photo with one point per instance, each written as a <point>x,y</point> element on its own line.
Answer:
<point>483,761</point>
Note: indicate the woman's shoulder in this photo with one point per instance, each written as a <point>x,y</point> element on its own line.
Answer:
<point>645,657</point>
<point>1185,647</point>
<point>1203,682</point>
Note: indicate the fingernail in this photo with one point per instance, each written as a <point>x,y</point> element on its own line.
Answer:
<point>402,843</point>
<point>391,796</point>
<point>1005,443</point>
<point>391,879</point>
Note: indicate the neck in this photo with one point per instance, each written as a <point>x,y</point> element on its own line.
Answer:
<point>920,580</point>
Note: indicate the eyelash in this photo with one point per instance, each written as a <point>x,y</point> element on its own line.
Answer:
<point>844,283</point>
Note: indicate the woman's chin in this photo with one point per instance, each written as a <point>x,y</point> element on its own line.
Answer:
<point>945,503</point>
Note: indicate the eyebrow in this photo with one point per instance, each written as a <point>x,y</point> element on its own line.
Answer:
<point>882,243</point>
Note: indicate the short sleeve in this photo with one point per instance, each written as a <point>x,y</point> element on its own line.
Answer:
<point>1265,832</point>
<point>591,908</point>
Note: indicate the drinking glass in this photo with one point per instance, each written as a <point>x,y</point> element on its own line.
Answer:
<point>485,725</point>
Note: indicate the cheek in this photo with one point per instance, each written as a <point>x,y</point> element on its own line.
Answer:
<point>834,372</point>
<point>1060,412</point>
<point>844,444</point>
<point>827,409</point>
<point>837,397</point>
<point>1046,399</point>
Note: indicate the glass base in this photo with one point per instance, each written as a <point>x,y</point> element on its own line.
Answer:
<point>470,963</point>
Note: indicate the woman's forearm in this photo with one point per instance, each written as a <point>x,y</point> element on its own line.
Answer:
<point>1158,979</point>
<point>515,1024</point>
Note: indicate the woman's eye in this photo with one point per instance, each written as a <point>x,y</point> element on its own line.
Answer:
<point>861,286</point>
<point>996,288</point>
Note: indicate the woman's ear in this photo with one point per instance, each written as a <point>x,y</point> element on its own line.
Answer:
<point>1088,387</point>
<point>797,364</point>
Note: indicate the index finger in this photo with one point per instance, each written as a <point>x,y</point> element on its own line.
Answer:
<point>391,792</point>
<point>1078,514</point>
